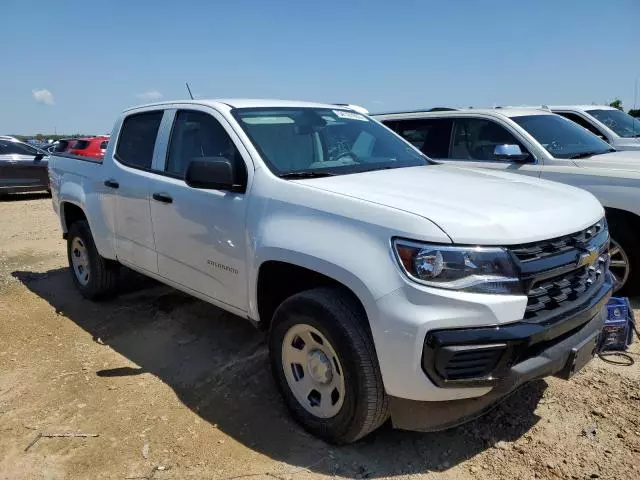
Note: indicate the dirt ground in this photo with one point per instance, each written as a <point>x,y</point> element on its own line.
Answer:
<point>177,389</point>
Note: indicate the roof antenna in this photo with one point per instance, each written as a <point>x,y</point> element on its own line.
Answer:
<point>189,90</point>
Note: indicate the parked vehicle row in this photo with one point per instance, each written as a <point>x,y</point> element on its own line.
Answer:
<point>538,143</point>
<point>391,286</point>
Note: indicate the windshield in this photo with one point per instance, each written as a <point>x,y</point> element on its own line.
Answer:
<point>319,140</point>
<point>621,123</point>
<point>8,147</point>
<point>562,138</point>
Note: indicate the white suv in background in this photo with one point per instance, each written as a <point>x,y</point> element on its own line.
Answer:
<point>541,144</point>
<point>619,129</point>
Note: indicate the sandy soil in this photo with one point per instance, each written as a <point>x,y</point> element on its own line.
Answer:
<point>177,389</point>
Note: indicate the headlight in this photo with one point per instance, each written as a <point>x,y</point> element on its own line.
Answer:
<point>471,269</point>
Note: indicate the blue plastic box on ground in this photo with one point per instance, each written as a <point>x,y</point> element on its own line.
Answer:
<point>617,333</point>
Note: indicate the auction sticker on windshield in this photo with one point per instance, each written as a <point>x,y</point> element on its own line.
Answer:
<point>350,115</point>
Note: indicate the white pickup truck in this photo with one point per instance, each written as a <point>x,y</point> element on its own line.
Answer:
<point>390,286</point>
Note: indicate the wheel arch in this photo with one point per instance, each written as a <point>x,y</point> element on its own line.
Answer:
<point>620,215</point>
<point>70,212</point>
<point>279,278</point>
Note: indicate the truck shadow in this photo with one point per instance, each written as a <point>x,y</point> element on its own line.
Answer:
<point>218,366</point>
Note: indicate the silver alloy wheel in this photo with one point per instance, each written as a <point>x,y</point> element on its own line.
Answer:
<point>313,371</point>
<point>80,261</point>
<point>619,265</point>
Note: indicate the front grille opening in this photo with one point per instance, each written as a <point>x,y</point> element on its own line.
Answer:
<point>550,294</point>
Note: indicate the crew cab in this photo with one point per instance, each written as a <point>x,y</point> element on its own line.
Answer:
<point>538,143</point>
<point>390,286</point>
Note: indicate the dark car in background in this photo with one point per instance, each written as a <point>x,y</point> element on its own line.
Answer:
<point>23,168</point>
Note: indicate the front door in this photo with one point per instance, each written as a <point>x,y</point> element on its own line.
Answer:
<point>131,182</point>
<point>200,234</point>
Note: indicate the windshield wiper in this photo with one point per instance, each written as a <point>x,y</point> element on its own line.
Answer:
<point>311,174</point>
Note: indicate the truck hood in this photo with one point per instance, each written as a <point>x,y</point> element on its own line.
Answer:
<point>473,206</point>
<point>626,160</point>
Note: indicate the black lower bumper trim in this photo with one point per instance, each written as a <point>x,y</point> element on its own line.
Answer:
<point>562,359</point>
<point>518,342</point>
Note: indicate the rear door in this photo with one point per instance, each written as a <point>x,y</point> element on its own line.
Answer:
<point>22,167</point>
<point>130,179</point>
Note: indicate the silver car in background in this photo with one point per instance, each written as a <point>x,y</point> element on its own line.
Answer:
<point>23,168</point>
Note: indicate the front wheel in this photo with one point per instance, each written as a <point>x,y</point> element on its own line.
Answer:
<point>94,276</point>
<point>324,363</point>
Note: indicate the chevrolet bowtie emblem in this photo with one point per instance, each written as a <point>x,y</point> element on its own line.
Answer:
<point>588,258</point>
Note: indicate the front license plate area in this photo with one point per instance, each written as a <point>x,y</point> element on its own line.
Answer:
<point>579,356</point>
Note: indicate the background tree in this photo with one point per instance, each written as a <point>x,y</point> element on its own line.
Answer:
<point>617,103</point>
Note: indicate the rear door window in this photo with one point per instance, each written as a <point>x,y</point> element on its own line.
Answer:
<point>429,135</point>
<point>137,139</point>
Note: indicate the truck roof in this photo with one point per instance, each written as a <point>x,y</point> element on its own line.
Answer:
<point>581,107</point>
<point>243,103</point>
<point>502,111</point>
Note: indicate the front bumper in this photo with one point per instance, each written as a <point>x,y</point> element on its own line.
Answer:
<point>531,351</point>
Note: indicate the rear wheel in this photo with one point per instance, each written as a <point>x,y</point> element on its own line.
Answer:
<point>94,276</point>
<point>325,365</point>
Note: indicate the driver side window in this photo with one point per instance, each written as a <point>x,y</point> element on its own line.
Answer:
<point>476,139</point>
<point>199,136</point>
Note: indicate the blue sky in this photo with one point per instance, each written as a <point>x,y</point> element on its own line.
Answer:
<point>74,65</point>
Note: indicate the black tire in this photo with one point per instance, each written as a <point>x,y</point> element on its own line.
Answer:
<point>340,318</point>
<point>103,276</point>
<point>624,232</point>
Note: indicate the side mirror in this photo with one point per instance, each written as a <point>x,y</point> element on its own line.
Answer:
<point>211,173</point>
<point>510,153</point>
<point>38,157</point>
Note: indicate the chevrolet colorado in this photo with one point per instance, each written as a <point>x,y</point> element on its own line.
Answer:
<point>390,286</point>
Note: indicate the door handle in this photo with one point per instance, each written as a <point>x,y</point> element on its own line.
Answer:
<point>111,184</point>
<point>162,197</point>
